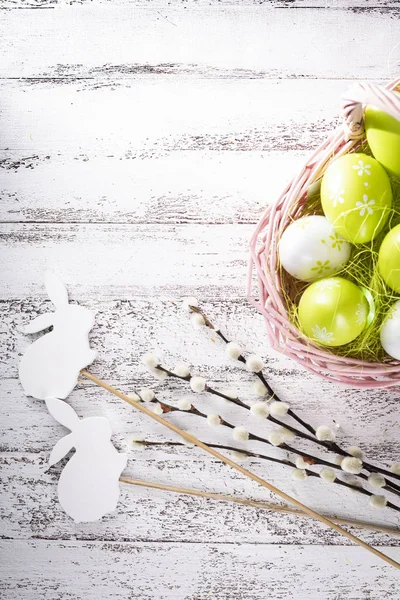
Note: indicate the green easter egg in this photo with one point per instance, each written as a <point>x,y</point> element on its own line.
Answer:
<point>333,312</point>
<point>389,259</point>
<point>383,136</point>
<point>356,197</point>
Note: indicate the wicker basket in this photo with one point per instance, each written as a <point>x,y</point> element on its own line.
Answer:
<point>282,334</point>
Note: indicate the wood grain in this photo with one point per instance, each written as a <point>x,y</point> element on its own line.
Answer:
<point>139,144</point>
<point>246,40</point>
<point>182,186</point>
<point>192,571</point>
<point>147,515</point>
<point>81,121</point>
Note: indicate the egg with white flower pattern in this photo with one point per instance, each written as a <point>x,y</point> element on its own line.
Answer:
<point>390,331</point>
<point>356,197</point>
<point>333,312</point>
<point>310,249</point>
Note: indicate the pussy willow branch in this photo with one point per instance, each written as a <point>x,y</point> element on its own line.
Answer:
<point>266,457</point>
<point>391,486</point>
<point>168,408</point>
<point>239,402</point>
<point>331,446</point>
<point>272,395</point>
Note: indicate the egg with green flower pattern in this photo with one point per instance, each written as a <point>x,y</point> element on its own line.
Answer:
<point>383,136</point>
<point>310,249</point>
<point>389,259</point>
<point>333,311</point>
<point>356,197</point>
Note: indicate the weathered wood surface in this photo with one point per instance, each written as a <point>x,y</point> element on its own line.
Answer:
<point>191,571</point>
<point>139,144</point>
<point>250,39</point>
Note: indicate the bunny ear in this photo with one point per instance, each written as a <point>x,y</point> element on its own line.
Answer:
<point>39,323</point>
<point>61,449</point>
<point>56,289</point>
<point>62,412</point>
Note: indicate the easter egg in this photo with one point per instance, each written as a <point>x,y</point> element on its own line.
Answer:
<point>390,331</point>
<point>333,311</point>
<point>310,249</point>
<point>389,259</point>
<point>356,197</point>
<point>383,136</point>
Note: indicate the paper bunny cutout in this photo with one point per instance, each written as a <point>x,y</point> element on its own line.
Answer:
<point>51,365</point>
<point>88,487</point>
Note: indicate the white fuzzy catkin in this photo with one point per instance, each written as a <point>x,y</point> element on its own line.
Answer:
<point>278,409</point>
<point>301,463</point>
<point>134,396</point>
<point>182,370</point>
<point>159,374</point>
<point>233,350</point>
<point>378,501</point>
<point>198,384</point>
<point>240,434</point>
<point>338,460</point>
<point>376,480</point>
<point>299,475</point>
<point>197,321</point>
<point>352,465</point>
<point>213,420</point>
<point>325,434</point>
<point>188,302</point>
<point>147,394</point>
<point>239,455</point>
<point>327,475</point>
<point>275,438</point>
<point>156,408</point>
<point>184,404</point>
<point>356,451</point>
<point>254,363</point>
<point>395,468</point>
<point>259,388</point>
<point>150,360</point>
<point>260,410</point>
<point>231,393</point>
<point>287,435</point>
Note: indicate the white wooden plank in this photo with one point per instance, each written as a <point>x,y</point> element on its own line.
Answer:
<point>152,116</point>
<point>124,260</point>
<point>249,37</point>
<point>351,5</point>
<point>29,507</point>
<point>187,572</point>
<point>179,187</point>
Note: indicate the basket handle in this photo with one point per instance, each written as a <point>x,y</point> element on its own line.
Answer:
<point>367,93</point>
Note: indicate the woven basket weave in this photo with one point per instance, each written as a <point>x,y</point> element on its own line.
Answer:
<point>282,334</point>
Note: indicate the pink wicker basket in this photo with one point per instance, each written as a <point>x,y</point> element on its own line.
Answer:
<point>282,334</point>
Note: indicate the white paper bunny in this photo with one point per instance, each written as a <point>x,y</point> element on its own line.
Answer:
<point>51,365</point>
<point>88,487</point>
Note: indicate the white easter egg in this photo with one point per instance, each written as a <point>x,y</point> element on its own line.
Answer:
<point>310,249</point>
<point>390,331</point>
